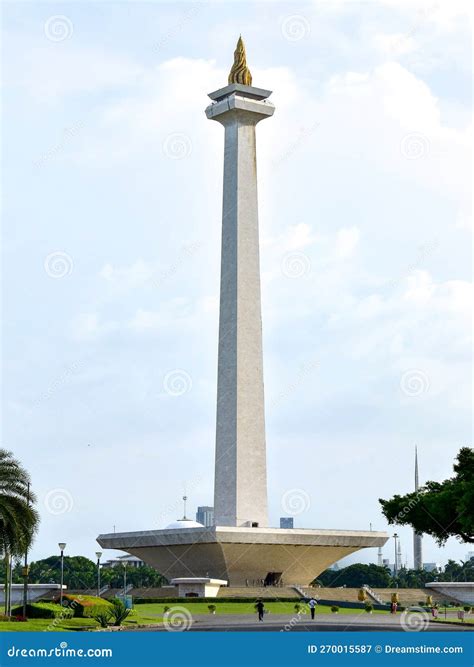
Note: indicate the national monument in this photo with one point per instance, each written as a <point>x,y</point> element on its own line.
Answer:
<point>241,546</point>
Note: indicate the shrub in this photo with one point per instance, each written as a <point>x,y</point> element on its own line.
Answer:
<point>334,609</point>
<point>467,608</point>
<point>85,606</point>
<point>102,616</point>
<point>43,610</point>
<point>212,608</point>
<point>297,607</point>
<point>119,611</point>
<point>166,608</point>
<point>369,608</point>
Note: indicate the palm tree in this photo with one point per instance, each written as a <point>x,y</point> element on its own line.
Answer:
<point>18,518</point>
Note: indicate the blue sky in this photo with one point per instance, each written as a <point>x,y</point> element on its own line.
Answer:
<point>112,181</point>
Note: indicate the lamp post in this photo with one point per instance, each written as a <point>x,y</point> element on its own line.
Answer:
<point>98,554</point>
<point>395,564</point>
<point>124,581</point>
<point>62,546</point>
<point>25,566</point>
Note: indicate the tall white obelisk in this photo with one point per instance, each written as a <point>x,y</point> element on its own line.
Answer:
<point>240,489</point>
<point>417,537</point>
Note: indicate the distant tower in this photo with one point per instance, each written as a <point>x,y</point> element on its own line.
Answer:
<point>399,555</point>
<point>417,537</point>
<point>380,557</point>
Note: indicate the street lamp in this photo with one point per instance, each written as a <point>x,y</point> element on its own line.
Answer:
<point>62,546</point>
<point>395,564</point>
<point>124,581</point>
<point>98,554</point>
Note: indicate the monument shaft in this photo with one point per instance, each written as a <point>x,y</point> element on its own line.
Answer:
<point>240,492</point>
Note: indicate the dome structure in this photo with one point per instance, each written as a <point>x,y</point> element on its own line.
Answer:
<point>183,523</point>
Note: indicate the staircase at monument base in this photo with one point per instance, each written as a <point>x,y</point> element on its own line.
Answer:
<point>372,594</point>
<point>408,596</point>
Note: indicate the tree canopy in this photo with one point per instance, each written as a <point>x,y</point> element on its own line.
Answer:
<point>80,573</point>
<point>18,516</point>
<point>356,575</point>
<point>439,509</point>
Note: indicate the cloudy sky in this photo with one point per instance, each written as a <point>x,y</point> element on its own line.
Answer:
<point>112,199</point>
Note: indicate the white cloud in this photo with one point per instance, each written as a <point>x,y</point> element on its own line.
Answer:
<point>346,242</point>
<point>137,274</point>
<point>88,326</point>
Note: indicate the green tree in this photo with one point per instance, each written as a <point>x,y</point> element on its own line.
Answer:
<point>439,509</point>
<point>79,572</point>
<point>18,517</point>
<point>140,577</point>
<point>355,576</point>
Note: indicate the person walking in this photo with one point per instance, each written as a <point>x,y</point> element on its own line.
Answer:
<point>312,607</point>
<point>260,609</point>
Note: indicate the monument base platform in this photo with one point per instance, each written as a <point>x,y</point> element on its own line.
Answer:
<point>243,556</point>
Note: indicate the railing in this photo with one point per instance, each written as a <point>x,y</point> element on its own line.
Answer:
<point>373,594</point>
<point>299,590</point>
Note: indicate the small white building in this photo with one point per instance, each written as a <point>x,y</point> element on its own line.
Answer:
<point>127,559</point>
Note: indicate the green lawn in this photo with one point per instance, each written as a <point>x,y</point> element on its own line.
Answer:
<point>47,624</point>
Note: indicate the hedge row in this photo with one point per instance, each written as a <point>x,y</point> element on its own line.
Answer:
<point>85,606</point>
<point>43,610</point>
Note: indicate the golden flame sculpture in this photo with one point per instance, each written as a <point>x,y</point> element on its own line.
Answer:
<point>240,73</point>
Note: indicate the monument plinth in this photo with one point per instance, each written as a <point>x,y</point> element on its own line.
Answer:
<point>240,547</point>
